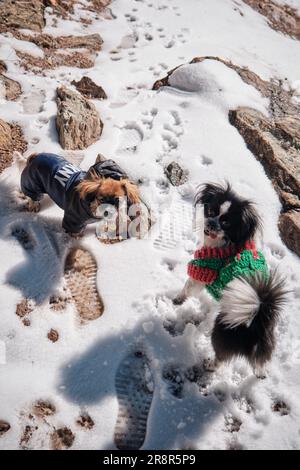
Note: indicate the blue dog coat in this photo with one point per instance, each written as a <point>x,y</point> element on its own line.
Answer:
<point>51,174</point>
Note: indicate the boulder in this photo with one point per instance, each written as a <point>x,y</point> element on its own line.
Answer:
<point>27,15</point>
<point>10,88</point>
<point>89,89</point>
<point>78,123</point>
<point>289,228</point>
<point>282,18</point>
<point>276,144</point>
<point>91,42</point>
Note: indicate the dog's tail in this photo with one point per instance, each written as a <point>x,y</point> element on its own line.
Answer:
<point>256,300</point>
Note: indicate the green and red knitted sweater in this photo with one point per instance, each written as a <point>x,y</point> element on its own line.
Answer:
<point>216,267</point>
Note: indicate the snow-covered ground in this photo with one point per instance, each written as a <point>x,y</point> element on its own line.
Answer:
<point>143,131</point>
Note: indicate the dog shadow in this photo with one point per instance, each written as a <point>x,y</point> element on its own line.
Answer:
<point>43,242</point>
<point>173,423</point>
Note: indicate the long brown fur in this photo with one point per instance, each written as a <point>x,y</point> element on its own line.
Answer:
<point>108,187</point>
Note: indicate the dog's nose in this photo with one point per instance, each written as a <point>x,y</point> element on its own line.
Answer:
<point>213,224</point>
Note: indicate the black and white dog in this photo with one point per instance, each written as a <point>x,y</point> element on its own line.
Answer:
<point>236,274</point>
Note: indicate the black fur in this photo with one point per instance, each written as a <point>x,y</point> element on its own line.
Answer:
<point>242,220</point>
<point>257,341</point>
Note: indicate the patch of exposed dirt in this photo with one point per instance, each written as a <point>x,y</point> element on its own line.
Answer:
<point>85,421</point>
<point>62,438</point>
<point>24,308</point>
<point>53,335</point>
<point>43,409</point>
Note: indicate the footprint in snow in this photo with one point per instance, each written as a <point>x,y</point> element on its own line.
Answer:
<point>81,279</point>
<point>131,137</point>
<point>134,387</point>
<point>277,251</point>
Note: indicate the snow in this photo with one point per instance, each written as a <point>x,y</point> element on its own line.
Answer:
<point>144,130</point>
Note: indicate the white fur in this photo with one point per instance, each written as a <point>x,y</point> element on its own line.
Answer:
<point>239,303</point>
<point>224,207</point>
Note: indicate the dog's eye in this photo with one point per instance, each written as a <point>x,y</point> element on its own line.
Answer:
<point>225,224</point>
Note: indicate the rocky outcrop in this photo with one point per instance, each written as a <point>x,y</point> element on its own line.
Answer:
<point>289,228</point>
<point>57,51</point>
<point>10,88</point>
<point>89,89</point>
<point>11,139</point>
<point>282,18</point>
<point>27,15</point>
<point>276,144</point>
<point>78,123</point>
<point>175,174</point>
<point>91,42</point>
<point>280,100</point>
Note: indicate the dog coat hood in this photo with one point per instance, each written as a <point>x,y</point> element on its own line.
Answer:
<point>216,267</point>
<point>51,174</point>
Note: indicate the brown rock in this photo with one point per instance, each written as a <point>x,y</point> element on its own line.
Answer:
<point>53,59</point>
<point>89,89</point>
<point>62,438</point>
<point>282,18</point>
<point>289,228</point>
<point>21,14</point>
<point>267,139</point>
<point>4,427</point>
<point>3,67</point>
<point>53,335</point>
<point>77,121</point>
<point>11,139</point>
<point>91,42</point>
<point>11,88</point>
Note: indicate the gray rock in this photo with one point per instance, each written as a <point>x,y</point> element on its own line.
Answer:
<point>78,122</point>
<point>176,174</point>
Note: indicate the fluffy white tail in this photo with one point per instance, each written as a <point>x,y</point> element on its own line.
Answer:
<point>257,298</point>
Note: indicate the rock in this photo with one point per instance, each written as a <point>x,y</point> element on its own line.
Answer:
<point>280,100</point>
<point>12,89</point>
<point>3,67</point>
<point>289,228</point>
<point>77,121</point>
<point>91,42</point>
<point>276,144</point>
<point>62,438</point>
<point>21,14</point>
<point>11,139</point>
<point>282,18</point>
<point>54,59</point>
<point>4,427</point>
<point>53,335</point>
<point>89,89</point>
<point>176,174</point>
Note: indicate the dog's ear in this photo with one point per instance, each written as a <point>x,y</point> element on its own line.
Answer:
<point>131,191</point>
<point>251,222</point>
<point>89,187</point>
